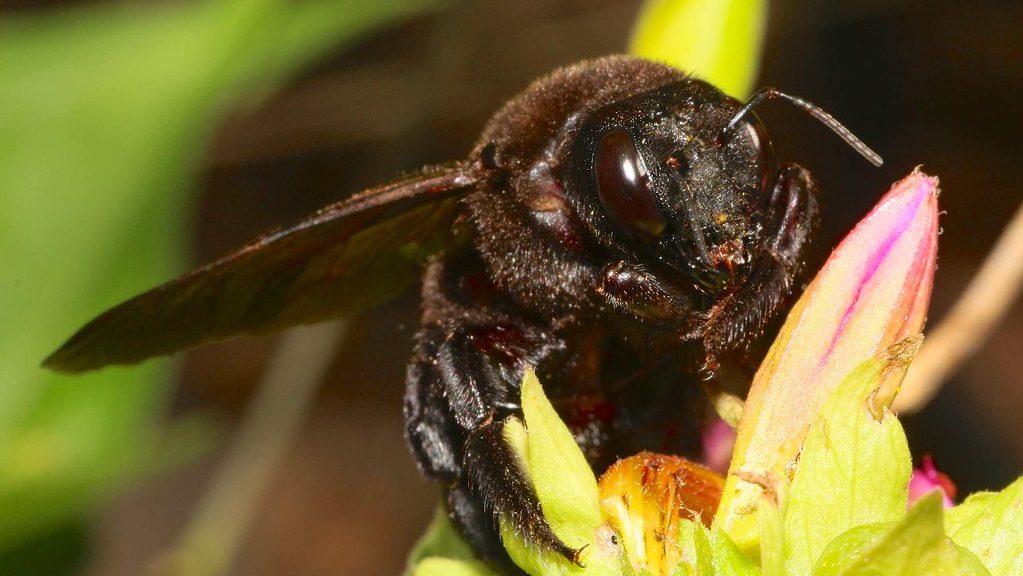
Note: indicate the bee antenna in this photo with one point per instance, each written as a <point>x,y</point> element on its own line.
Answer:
<point>768,93</point>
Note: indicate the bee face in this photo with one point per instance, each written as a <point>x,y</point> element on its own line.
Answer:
<point>658,179</point>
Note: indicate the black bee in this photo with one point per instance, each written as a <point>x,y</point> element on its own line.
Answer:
<point>611,217</point>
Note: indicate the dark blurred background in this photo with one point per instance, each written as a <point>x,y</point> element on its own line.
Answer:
<point>936,83</point>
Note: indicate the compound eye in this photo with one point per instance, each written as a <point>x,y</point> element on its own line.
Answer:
<point>623,186</point>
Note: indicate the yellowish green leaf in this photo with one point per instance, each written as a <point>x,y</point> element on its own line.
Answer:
<point>728,559</point>
<point>440,540</point>
<point>853,470</point>
<point>716,40</point>
<point>991,526</point>
<point>914,545</point>
<point>772,536</point>
<point>449,567</point>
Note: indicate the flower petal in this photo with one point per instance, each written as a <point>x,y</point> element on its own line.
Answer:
<point>718,441</point>
<point>927,478</point>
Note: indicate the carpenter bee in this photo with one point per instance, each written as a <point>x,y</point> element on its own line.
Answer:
<point>613,216</point>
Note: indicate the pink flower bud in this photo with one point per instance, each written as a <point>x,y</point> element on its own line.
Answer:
<point>871,293</point>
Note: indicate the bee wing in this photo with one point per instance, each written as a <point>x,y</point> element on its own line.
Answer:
<point>348,256</point>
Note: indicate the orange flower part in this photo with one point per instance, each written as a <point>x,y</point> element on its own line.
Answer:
<point>646,496</point>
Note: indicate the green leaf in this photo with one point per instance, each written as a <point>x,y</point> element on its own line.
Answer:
<point>853,470</point>
<point>104,114</point>
<point>716,40</point>
<point>991,526</point>
<point>967,562</point>
<point>61,552</point>
<point>439,541</point>
<point>850,544</point>
<point>915,545</point>
<point>728,559</point>
<point>449,567</point>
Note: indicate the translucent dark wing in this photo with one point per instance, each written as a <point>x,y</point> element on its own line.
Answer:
<point>346,257</point>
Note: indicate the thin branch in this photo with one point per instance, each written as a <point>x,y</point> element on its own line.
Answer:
<point>970,321</point>
<point>221,521</point>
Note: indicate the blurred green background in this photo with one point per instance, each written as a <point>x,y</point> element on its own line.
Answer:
<point>138,138</point>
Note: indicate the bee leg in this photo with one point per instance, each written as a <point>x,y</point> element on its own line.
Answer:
<point>496,476</point>
<point>792,215</point>
<point>791,219</point>
<point>463,387</point>
<point>476,524</point>
<point>643,297</point>
<point>435,438</point>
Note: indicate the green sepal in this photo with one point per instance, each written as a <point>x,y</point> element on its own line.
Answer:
<point>560,473</point>
<point>772,533</point>
<point>565,486</point>
<point>914,545</point>
<point>694,541</point>
<point>990,524</point>
<point>728,559</point>
<point>853,470</point>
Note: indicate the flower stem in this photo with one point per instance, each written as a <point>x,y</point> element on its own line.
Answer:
<point>220,522</point>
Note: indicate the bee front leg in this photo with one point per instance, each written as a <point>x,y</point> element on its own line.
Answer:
<point>646,299</point>
<point>791,219</point>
